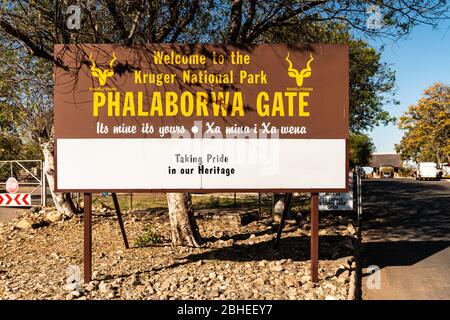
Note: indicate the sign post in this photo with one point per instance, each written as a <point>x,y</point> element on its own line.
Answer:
<point>87,237</point>
<point>315,237</point>
<point>201,118</point>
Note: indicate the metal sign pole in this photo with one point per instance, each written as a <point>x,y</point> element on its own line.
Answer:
<point>87,237</point>
<point>315,237</point>
<point>43,186</point>
<point>358,190</point>
<point>119,218</point>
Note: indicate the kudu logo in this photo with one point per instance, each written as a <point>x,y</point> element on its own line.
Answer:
<point>299,76</point>
<point>102,75</point>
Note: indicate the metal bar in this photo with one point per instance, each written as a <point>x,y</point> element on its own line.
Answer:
<point>25,183</point>
<point>43,191</point>
<point>87,237</point>
<point>119,218</point>
<point>35,189</point>
<point>28,171</point>
<point>287,204</point>
<point>359,190</point>
<point>9,161</point>
<point>259,205</point>
<point>315,237</point>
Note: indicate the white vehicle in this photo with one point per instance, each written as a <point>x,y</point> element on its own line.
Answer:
<point>445,170</point>
<point>427,171</point>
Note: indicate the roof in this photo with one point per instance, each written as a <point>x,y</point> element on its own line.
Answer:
<point>386,159</point>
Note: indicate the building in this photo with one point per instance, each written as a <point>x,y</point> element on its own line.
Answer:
<point>388,164</point>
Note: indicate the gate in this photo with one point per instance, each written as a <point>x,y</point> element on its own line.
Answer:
<point>29,174</point>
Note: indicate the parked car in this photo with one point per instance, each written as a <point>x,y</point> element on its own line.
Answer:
<point>386,172</point>
<point>427,171</point>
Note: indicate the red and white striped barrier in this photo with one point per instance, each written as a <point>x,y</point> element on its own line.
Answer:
<point>15,199</point>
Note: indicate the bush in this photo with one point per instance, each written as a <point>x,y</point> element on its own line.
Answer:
<point>148,238</point>
<point>406,172</point>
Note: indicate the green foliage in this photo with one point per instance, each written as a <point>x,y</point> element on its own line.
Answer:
<point>214,202</point>
<point>148,238</point>
<point>361,149</point>
<point>10,146</point>
<point>406,172</point>
<point>427,127</point>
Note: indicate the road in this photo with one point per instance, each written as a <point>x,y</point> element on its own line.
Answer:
<point>406,233</point>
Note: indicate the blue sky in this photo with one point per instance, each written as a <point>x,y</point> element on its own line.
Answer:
<point>418,60</point>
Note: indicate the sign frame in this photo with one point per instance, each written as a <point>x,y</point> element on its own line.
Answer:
<point>193,190</point>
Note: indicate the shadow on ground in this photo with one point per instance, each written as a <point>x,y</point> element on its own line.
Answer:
<point>403,210</point>
<point>401,253</point>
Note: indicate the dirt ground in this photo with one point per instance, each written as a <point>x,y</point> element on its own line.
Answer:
<point>237,261</point>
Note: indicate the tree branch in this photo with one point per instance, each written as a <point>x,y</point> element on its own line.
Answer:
<point>234,25</point>
<point>29,43</point>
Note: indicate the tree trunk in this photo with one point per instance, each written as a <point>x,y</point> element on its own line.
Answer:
<point>62,201</point>
<point>184,228</point>
<point>278,208</point>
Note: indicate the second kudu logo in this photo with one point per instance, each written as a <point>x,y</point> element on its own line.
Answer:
<point>299,76</point>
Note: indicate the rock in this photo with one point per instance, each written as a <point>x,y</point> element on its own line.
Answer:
<point>262,263</point>
<point>249,217</point>
<point>215,293</point>
<point>309,296</point>
<point>291,281</point>
<point>277,268</point>
<point>252,236</point>
<point>71,286</point>
<point>351,229</point>
<point>135,280</point>
<point>259,281</point>
<point>111,294</point>
<point>69,296</point>
<point>173,287</point>
<point>53,216</point>
<point>54,255</point>
<point>329,297</point>
<point>104,287</point>
<point>165,285</point>
<point>199,262</point>
<point>35,209</point>
<point>305,279</point>
<point>75,293</point>
<point>24,224</point>
<point>90,287</point>
<point>307,286</point>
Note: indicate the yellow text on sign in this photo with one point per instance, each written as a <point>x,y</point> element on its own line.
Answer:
<point>169,103</point>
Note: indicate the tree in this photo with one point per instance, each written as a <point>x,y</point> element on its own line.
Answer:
<point>427,127</point>
<point>38,25</point>
<point>361,149</point>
